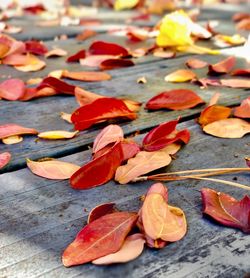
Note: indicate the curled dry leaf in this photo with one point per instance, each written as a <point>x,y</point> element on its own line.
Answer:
<point>129,149</point>
<point>66,117</point>
<point>12,89</point>
<point>130,250</point>
<point>95,60</point>
<point>145,162</point>
<point>100,211</point>
<point>115,64</point>
<point>77,56</point>
<point>32,63</point>
<point>214,113</point>
<point>227,210</point>
<point>86,75</point>
<point>102,109</point>
<point>179,99</point>
<point>110,134</point>
<point>58,85</point>
<point>163,135</point>
<point>36,47</point>
<point>106,48</point>
<point>86,177</point>
<point>160,220</point>
<point>196,63</point>
<point>57,134</point>
<point>8,130</point>
<point>84,97</point>
<point>224,66</point>
<point>243,111</point>
<point>12,140</point>
<point>181,75</point>
<point>31,93</point>
<point>101,237</point>
<point>228,128</point>
<point>56,52</point>
<point>4,159</point>
<point>236,39</point>
<point>52,169</point>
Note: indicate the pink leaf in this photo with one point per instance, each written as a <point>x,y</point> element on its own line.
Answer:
<point>8,130</point>
<point>4,159</point>
<point>12,89</point>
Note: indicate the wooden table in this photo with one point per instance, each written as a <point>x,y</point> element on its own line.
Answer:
<point>40,217</point>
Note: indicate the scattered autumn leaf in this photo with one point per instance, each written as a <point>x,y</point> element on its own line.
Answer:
<point>100,211</point>
<point>81,54</point>
<point>86,75</point>
<point>86,34</point>
<point>228,128</point>
<point>15,139</point>
<point>36,47</point>
<point>227,210</point>
<point>4,159</point>
<point>56,52</point>
<point>12,89</point>
<point>57,134</point>
<point>222,67</point>
<point>52,169</point>
<point>8,130</point>
<point>193,63</point>
<point>243,111</point>
<point>106,48</point>
<point>181,75</point>
<point>95,60</point>
<point>115,64</point>
<point>236,83</point>
<point>241,72</point>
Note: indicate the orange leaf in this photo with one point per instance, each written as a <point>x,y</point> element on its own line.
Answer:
<point>196,63</point>
<point>4,159</point>
<point>32,64</point>
<point>223,66</point>
<point>243,111</point>
<point>52,169</point>
<point>56,52</point>
<point>86,76</point>
<point>181,75</point>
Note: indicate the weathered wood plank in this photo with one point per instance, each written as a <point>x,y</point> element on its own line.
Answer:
<point>38,113</point>
<point>48,214</point>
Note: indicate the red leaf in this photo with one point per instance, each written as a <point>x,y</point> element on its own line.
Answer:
<point>175,100</point>
<point>129,149</point>
<point>31,93</point>
<point>241,72</point>
<point>86,177</point>
<point>223,66</point>
<point>95,60</point>
<point>35,9</point>
<point>12,89</point>
<point>196,63</point>
<point>88,76</point>
<point>115,64</point>
<point>110,134</point>
<point>8,130</point>
<point>243,111</point>
<point>36,47</point>
<point>101,237</point>
<point>77,56</point>
<point>163,135</point>
<point>100,211</point>
<point>58,85</point>
<point>102,109</point>
<point>213,113</point>
<point>227,210</point>
<point>106,48</point>
<point>4,159</point>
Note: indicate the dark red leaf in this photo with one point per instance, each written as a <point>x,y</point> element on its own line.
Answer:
<point>175,100</point>
<point>196,63</point>
<point>100,211</point>
<point>12,89</point>
<point>227,210</point>
<point>163,135</point>
<point>224,66</point>
<point>101,237</point>
<point>100,110</point>
<point>77,56</point>
<point>98,171</point>
<point>241,72</point>
<point>115,64</point>
<point>4,159</point>
<point>36,47</point>
<point>106,48</point>
<point>243,111</point>
<point>57,84</point>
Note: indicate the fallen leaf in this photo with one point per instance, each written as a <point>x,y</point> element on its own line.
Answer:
<point>32,64</point>
<point>222,67</point>
<point>141,80</point>
<point>8,130</point>
<point>4,159</point>
<point>230,40</point>
<point>181,75</point>
<point>101,237</point>
<point>95,60</point>
<point>179,99</point>
<point>132,105</point>
<point>196,49</point>
<point>160,220</point>
<point>130,250</point>
<point>214,113</point>
<point>106,48</point>
<point>227,210</point>
<point>58,85</point>
<point>86,34</point>
<point>228,128</point>
<point>115,64</point>
<point>164,54</point>
<point>193,63</point>
<point>77,56</point>
<point>110,134</point>
<point>15,139</point>
<point>56,52</point>
<point>129,149</point>
<point>163,135</point>
<point>102,109</point>
<point>66,117</point>
<point>125,4</point>
<point>100,211</point>
<point>34,81</point>
<point>144,162</point>
<point>12,89</point>
<point>243,111</point>
<point>84,97</point>
<point>36,47</point>
<point>86,177</point>
<point>57,134</point>
<point>86,75</point>
<point>241,72</point>
<point>31,93</point>
<point>236,83</point>
<point>52,169</point>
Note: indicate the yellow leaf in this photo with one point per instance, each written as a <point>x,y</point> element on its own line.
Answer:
<point>195,49</point>
<point>57,134</point>
<point>125,4</point>
<point>181,75</point>
<point>12,140</point>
